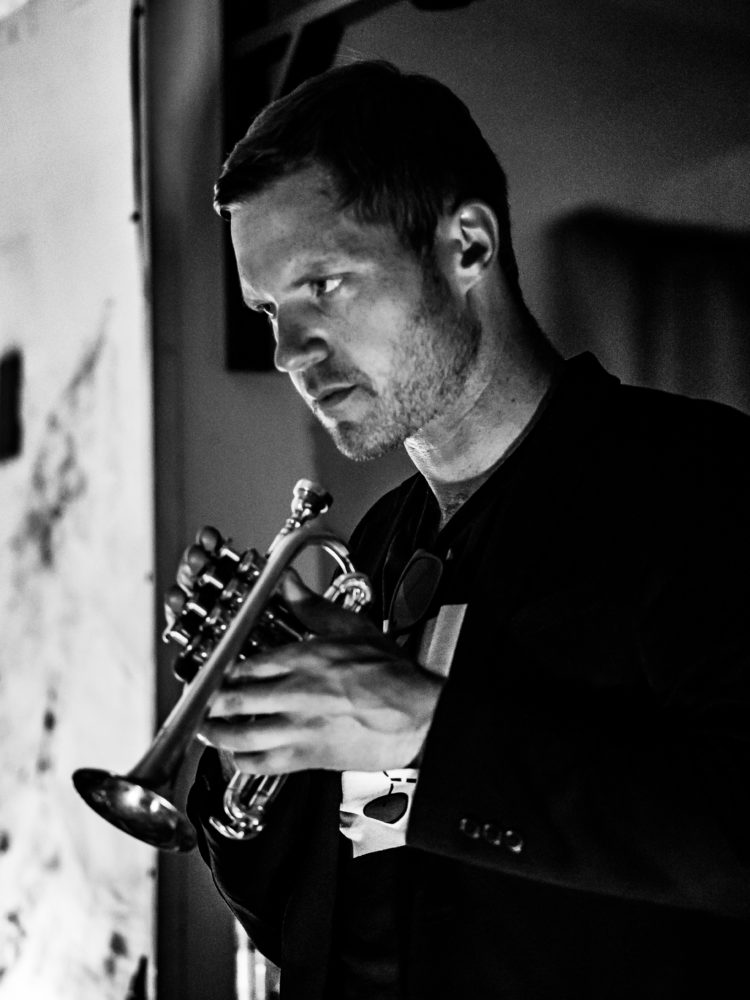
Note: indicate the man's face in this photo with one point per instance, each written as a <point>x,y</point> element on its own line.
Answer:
<point>376,345</point>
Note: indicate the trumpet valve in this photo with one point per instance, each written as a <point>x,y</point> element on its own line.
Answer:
<point>220,569</point>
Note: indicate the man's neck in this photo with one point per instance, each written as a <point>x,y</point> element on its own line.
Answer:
<point>459,451</point>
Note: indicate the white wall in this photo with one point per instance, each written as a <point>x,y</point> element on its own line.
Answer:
<point>76,660</point>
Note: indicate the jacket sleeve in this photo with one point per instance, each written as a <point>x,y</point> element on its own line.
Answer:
<point>255,877</point>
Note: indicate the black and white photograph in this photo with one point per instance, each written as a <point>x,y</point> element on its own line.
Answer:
<point>375,491</point>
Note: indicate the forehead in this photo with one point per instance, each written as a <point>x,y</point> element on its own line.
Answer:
<point>296,221</point>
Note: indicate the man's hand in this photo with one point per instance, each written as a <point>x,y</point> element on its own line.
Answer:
<point>345,700</point>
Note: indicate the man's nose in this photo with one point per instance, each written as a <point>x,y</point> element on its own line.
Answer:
<point>299,344</point>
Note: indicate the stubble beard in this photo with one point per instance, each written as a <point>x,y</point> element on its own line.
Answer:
<point>429,372</point>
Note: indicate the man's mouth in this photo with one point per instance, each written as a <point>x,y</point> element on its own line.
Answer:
<point>329,399</point>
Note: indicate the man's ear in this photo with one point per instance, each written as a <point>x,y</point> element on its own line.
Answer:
<point>467,243</point>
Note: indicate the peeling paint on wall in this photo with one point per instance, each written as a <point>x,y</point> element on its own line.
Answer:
<point>58,476</point>
<point>8,7</point>
<point>65,647</point>
<point>18,21</point>
<point>76,661</point>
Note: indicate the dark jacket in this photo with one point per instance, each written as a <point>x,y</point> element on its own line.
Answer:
<point>581,826</point>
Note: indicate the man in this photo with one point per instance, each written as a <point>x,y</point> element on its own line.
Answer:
<point>534,784</point>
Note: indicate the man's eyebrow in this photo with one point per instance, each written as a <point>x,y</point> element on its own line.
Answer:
<point>319,262</point>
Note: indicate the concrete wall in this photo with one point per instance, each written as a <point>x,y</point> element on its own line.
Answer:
<point>76,660</point>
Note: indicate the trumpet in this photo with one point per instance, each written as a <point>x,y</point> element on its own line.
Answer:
<point>234,611</point>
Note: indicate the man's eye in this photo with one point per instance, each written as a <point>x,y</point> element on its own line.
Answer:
<point>325,286</point>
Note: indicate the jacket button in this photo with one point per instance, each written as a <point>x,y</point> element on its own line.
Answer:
<point>470,828</point>
<point>492,834</point>
<point>513,841</point>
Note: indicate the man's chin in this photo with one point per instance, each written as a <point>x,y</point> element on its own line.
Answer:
<point>359,446</point>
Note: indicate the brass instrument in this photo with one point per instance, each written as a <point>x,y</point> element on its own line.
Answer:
<point>234,610</point>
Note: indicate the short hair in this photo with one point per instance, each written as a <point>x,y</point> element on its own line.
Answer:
<point>401,148</point>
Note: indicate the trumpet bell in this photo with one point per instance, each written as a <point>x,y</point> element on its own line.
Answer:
<point>139,811</point>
